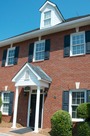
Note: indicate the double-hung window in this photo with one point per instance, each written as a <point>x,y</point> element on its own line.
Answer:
<point>77,44</point>
<point>5,103</point>
<point>47,18</point>
<point>39,52</point>
<point>77,97</point>
<point>10,56</point>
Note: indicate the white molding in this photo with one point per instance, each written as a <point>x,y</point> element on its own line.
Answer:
<point>15,108</point>
<point>41,32</point>
<point>42,111</point>
<point>29,104</point>
<point>37,109</point>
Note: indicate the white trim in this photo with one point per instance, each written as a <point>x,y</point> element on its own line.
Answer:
<point>26,65</point>
<point>70,103</point>
<point>41,32</point>
<point>6,64</point>
<point>48,2</point>
<point>77,33</point>
<point>42,111</point>
<point>37,109</point>
<point>29,104</point>
<point>15,108</point>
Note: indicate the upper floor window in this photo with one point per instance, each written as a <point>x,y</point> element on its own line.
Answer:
<point>39,51</point>
<point>10,56</point>
<point>47,18</point>
<point>77,44</point>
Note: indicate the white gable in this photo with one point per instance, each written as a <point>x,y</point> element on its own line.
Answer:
<point>56,16</point>
<point>26,77</point>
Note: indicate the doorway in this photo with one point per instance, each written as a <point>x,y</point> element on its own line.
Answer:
<point>33,109</point>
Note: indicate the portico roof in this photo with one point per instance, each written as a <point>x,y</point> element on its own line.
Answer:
<point>31,75</point>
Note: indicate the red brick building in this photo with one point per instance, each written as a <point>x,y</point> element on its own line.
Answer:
<point>45,70</point>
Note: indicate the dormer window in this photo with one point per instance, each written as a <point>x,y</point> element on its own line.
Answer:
<point>47,18</point>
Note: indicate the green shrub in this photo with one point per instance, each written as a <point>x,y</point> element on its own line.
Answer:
<point>0,116</point>
<point>84,129</point>
<point>61,124</point>
<point>83,111</point>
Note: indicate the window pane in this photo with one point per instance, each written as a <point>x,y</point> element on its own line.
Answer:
<point>10,61</point>
<point>6,97</point>
<point>47,15</point>
<point>78,49</point>
<point>40,56</point>
<point>47,22</point>
<point>11,53</point>
<point>6,108</point>
<point>74,112</point>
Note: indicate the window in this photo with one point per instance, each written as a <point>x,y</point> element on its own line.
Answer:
<point>39,52</point>
<point>77,44</point>
<point>47,18</point>
<point>10,56</point>
<point>5,103</point>
<point>77,97</point>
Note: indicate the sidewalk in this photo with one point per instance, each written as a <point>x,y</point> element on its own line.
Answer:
<point>18,132</point>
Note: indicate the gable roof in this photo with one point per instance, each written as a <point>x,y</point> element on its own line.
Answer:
<point>54,5</point>
<point>40,74</point>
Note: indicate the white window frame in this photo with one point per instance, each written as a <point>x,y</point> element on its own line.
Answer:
<point>49,18</point>
<point>13,48</point>
<point>78,44</point>
<point>70,104</point>
<point>2,97</point>
<point>35,44</point>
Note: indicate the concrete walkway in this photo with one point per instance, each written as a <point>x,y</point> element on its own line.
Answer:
<point>18,132</point>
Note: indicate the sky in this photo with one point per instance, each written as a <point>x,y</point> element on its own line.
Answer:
<point>19,16</point>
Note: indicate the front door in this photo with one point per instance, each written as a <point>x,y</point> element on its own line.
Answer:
<point>33,109</point>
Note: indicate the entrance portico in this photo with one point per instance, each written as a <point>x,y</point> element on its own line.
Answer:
<point>36,79</point>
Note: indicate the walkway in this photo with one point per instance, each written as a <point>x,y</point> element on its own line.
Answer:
<point>18,132</point>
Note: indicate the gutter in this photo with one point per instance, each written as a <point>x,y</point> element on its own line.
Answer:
<point>57,28</point>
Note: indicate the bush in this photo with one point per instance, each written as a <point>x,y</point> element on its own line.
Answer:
<point>0,116</point>
<point>83,111</point>
<point>84,129</point>
<point>61,124</point>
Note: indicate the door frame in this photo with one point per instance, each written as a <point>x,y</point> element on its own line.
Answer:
<point>29,105</point>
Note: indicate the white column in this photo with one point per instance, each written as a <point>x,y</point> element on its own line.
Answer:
<point>15,108</point>
<point>37,109</point>
<point>28,114</point>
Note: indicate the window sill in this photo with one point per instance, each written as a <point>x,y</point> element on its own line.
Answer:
<point>38,60</point>
<point>77,120</point>
<point>9,65</point>
<point>5,114</point>
<point>79,55</point>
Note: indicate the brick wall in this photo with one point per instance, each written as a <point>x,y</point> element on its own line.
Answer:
<point>63,71</point>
